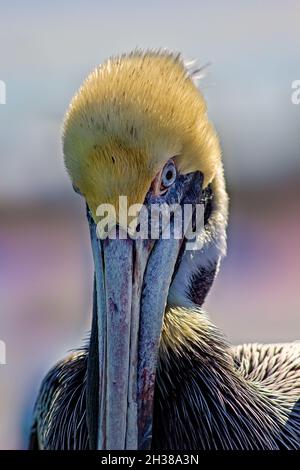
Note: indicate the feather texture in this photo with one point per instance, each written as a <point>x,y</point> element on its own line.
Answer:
<point>130,116</point>
<point>208,395</point>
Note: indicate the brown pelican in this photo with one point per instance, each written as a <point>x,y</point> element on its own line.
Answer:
<point>157,373</point>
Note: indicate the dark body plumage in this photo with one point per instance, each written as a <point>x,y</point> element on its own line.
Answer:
<point>208,395</point>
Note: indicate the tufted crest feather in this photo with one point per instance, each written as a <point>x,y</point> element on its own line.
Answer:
<point>130,116</point>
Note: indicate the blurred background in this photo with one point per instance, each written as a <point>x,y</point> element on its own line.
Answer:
<point>46,50</point>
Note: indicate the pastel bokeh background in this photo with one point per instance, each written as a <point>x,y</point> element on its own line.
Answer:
<point>46,50</point>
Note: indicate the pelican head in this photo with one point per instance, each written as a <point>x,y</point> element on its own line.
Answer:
<point>138,128</point>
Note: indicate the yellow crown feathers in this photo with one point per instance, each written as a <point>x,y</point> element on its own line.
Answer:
<point>129,117</point>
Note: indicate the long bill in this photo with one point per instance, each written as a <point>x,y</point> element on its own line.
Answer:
<point>132,279</point>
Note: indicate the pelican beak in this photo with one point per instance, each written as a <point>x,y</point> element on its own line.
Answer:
<point>129,311</point>
<point>132,281</point>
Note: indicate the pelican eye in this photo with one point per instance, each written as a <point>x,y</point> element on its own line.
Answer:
<point>169,175</point>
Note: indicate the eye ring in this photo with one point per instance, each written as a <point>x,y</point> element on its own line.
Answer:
<point>169,175</point>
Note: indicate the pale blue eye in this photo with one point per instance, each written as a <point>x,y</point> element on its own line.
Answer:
<point>169,175</point>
